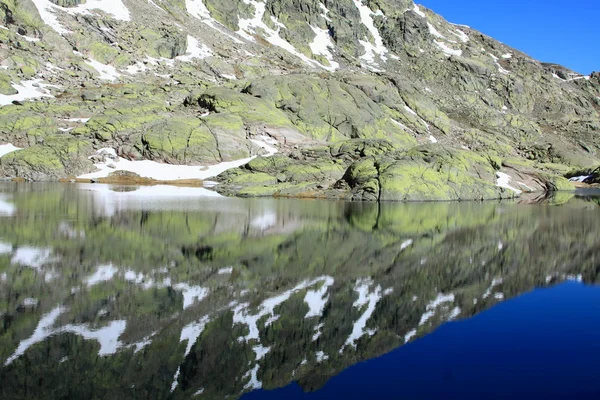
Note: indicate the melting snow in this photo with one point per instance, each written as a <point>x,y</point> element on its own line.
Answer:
<point>5,248</point>
<point>47,11</point>
<point>243,316</point>
<point>107,337</point>
<point>317,299</point>
<point>191,333</point>
<point>455,313</point>
<point>580,178</point>
<point>136,68</point>
<point>159,171</point>
<point>197,9</point>
<point>448,50</point>
<point>42,331</point>
<point>108,200</point>
<point>321,356</point>
<point>107,72</point>
<point>103,274</point>
<point>406,244</point>
<point>435,32</point>
<point>31,257</point>
<point>504,182</point>
<point>430,308</point>
<point>432,139</point>
<point>82,120</point>
<point>325,14</point>
<point>264,221</point>
<point>7,148</point>
<point>321,45</point>
<point>191,293</point>
<point>251,25</point>
<point>370,49</point>
<point>410,110</point>
<point>6,209</point>
<point>417,10</point>
<point>461,35</point>
<point>30,302</point>
<point>195,50</point>
<point>364,298</point>
<point>410,335</point>
<point>495,282</point>
<point>225,271</point>
<point>26,90</point>
<point>262,144</point>
<point>318,332</point>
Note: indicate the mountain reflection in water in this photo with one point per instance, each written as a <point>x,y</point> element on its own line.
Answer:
<point>109,294</point>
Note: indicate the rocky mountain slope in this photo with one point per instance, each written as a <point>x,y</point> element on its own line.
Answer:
<point>361,99</point>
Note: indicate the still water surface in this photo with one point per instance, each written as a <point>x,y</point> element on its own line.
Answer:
<point>111,293</point>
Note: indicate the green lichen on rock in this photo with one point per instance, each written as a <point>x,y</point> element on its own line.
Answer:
<point>59,156</point>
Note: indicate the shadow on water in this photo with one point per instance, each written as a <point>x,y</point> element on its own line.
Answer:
<point>133,294</point>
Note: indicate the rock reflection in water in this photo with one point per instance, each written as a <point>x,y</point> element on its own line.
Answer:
<point>168,298</point>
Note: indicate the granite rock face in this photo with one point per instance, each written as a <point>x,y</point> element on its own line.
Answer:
<point>444,107</point>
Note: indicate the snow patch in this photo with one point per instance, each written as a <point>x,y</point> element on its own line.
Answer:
<point>191,294</point>
<point>195,50</point>
<point>197,9</point>
<point>6,209</point>
<point>364,298</point>
<point>495,282</point>
<point>267,147</point>
<point>159,171</point>
<point>104,273</point>
<point>82,120</point>
<point>433,305</point>
<point>47,11</point>
<point>418,11</point>
<point>580,178</point>
<point>243,316</point>
<point>317,299</point>
<point>7,148</point>
<point>435,32</point>
<point>461,35</point>
<point>504,182</point>
<point>410,335</point>
<point>225,271</point>
<point>321,45</point>
<point>105,71</point>
<point>42,331</point>
<point>448,50</point>
<point>321,356</point>
<point>31,89</point>
<point>255,24</point>
<point>325,13</point>
<point>32,257</point>
<point>109,201</point>
<point>107,337</point>
<point>265,221</point>
<point>432,139</point>
<point>370,49</point>
<point>5,248</point>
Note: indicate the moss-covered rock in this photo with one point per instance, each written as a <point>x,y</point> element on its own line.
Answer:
<point>58,157</point>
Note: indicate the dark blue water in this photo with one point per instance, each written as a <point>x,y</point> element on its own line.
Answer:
<point>544,345</point>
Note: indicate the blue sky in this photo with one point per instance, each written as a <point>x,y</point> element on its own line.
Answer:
<point>556,31</point>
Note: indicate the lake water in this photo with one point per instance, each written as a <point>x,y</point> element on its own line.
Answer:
<point>116,293</point>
